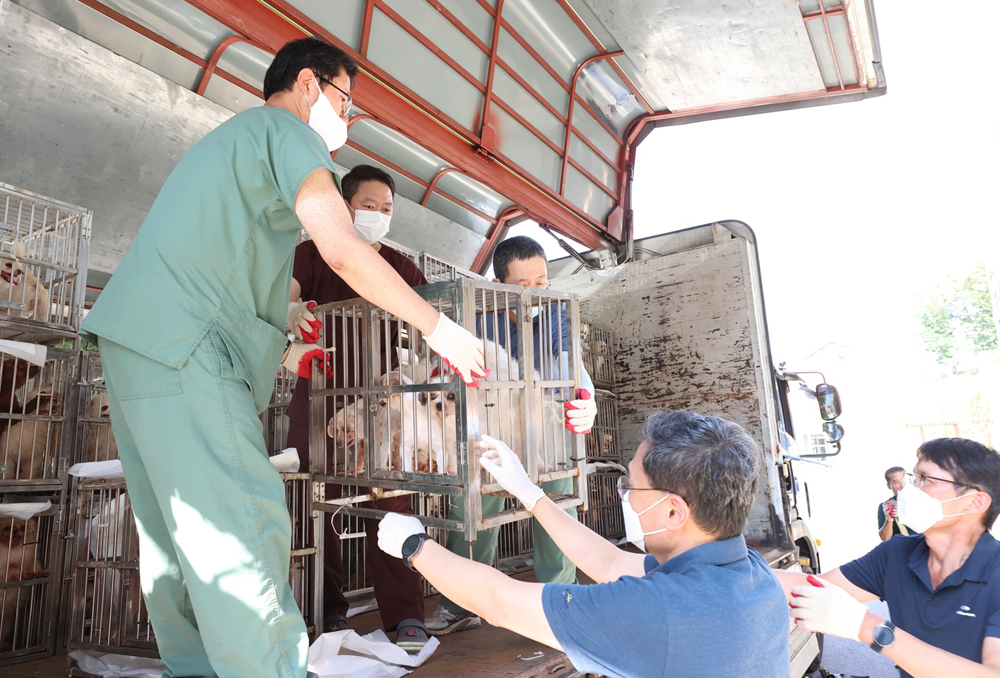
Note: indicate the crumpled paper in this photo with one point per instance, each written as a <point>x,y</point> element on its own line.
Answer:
<point>287,461</point>
<point>342,654</point>
<point>97,469</point>
<point>118,665</point>
<point>24,510</point>
<point>33,353</point>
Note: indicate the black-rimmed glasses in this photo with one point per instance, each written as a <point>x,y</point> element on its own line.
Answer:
<point>346,110</point>
<point>918,479</point>
<point>624,487</point>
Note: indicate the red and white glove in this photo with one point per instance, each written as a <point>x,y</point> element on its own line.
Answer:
<point>580,413</point>
<point>459,349</point>
<point>299,359</point>
<point>825,608</point>
<point>890,510</point>
<point>302,323</point>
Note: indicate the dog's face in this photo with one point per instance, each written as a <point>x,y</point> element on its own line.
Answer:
<point>11,532</point>
<point>347,426</point>
<point>42,403</point>
<point>99,406</point>
<point>11,270</point>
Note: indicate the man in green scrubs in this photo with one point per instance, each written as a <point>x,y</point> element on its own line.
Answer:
<point>191,333</point>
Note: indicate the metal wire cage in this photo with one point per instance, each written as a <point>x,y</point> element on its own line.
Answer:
<point>33,408</point>
<point>422,421</point>
<point>602,441</point>
<point>43,262</point>
<point>29,580</point>
<point>604,512</point>
<point>438,270</point>
<point>598,354</point>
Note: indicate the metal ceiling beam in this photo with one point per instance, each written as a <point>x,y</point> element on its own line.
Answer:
<point>572,100</point>
<point>482,261</point>
<point>381,98</point>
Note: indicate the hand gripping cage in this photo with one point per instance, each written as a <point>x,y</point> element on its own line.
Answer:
<point>393,419</point>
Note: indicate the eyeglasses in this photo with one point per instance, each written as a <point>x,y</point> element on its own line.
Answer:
<point>346,109</point>
<point>918,479</point>
<point>624,487</point>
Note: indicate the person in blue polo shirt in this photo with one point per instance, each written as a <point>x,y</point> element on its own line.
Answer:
<point>942,586</point>
<point>700,603</point>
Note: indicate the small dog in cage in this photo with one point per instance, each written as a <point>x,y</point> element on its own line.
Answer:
<point>101,444</point>
<point>19,562</point>
<point>347,427</point>
<point>18,549</point>
<point>499,412</point>
<point>14,374</point>
<point>24,444</point>
<point>20,285</point>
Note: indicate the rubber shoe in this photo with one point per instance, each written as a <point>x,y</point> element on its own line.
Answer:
<point>411,635</point>
<point>443,621</point>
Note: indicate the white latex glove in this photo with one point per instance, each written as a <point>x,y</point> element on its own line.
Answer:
<point>506,469</point>
<point>302,323</point>
<point>580,413</point>
<point>299,358</point>
<point>459,349</point>
<point>394,529</point>
<point>825,608</point>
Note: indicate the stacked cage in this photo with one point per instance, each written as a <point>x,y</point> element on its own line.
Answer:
<point>393,419</point>
<point>604,514</point>
<point>43,255</point>
<point>439,270</point>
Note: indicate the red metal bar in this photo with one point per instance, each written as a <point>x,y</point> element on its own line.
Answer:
<point>366,26</point>
<point>282,16</point>
<point>359,117</point>
<point>572,101</point>
<point>482,261</point>
<point>433,184</point>
<point>531,128</point>
<point>465,30</point>
<point>558,78</point>
<point>377,93</point>
<point>492,67</point>
<point>600,184</point>
<point>833,49</point>
<point>585,29</point>
<point>216,55</point>
<point>412,31</point>
<point>163,42</point>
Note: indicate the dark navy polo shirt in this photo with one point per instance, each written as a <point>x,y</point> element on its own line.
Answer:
<point>715,610</point>
<point>956,617</point>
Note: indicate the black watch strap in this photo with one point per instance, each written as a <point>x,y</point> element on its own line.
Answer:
<point>883,636</point>
<point>412,546</point>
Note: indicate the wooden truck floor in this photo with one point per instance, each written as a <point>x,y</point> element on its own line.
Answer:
<point>480,653</point>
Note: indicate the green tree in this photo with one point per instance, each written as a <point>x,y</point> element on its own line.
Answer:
<point>957,318</point>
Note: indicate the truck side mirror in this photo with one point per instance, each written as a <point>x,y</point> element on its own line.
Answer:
<point>834,431</point>
<point>829,402</point>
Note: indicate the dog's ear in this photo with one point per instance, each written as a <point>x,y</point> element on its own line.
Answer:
<point>422,397</point>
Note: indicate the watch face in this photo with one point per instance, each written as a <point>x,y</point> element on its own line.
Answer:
<point>410,545</point>
<point>884,636</point>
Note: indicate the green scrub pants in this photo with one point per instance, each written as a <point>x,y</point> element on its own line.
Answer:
<point>551,564</point>
<point>214,529</point>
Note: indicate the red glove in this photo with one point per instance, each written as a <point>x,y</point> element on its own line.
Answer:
<point>299,358</point>
<point>580,413</point>
<point>302,322</point>
<point>890,510</point>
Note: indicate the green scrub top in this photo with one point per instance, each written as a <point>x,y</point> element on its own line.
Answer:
<point>217,248</point>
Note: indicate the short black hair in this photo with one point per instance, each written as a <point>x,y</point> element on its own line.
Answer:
<point>971,464</point>
<point>325,60</point>
<point>518,248</point>
<point>894,469</point>
<point>352,180</point>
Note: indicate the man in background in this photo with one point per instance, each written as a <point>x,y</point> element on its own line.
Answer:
<point>369,193</point>
<point>888,514</point>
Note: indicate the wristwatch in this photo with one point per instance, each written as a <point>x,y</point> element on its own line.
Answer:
<point>412,546</point>
<point>882,637</point>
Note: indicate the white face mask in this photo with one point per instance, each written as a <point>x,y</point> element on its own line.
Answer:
<point>919,510</point>
<point>324,119</point>
<point>371,226</point>
<point>633,528</point>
